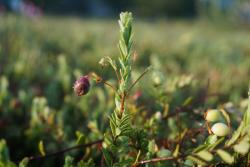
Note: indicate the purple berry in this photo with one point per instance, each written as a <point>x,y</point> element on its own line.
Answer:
<point>82,85</point>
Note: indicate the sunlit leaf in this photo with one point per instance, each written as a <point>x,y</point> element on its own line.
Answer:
<point>41,148</point>
<point>196,160</point>
<point>225,156</point>
<point>24,162</point>
<point>205,155</point>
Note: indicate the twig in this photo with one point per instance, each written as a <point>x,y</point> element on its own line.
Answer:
<point>108,84</point>
<point>123,103</point>
<point>137,157</point>
<point>145,71</point>
<point>63,151</point>
<point>176,111</point>
<point>99,79</point>
<point>153,160</point>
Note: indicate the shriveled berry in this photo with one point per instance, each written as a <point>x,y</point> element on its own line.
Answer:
<point>213,115</point>
<point>82,85</point>
<point>220,129</point>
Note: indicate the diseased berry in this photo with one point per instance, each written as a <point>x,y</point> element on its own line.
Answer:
<point>213,115</point>
<point>220,129</point>
<point>82,85</point>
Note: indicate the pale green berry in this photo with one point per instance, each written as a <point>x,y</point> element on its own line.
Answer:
<point>220,129</point>
<point>213,115</point>
<point>158,115</point>
<point>157,78</point>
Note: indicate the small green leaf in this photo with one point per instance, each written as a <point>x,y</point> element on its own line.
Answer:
<point>164,153</point>
<point>236,135</point>
<point>41,148</point>
<point>196,160</point>
<point>117,131</point>
<point>24,162</point>
<point>187,101</point>
<point>200,147</point>
<point>80,138</point>
<point>211,139</point>
<point>188,163</point>
<point>176,151</point>
<point>212,146</point>
<point>4,151</point>
<point>205,155</point>
<point>112,123</point>
<point>225,156</point>
<point>152,146</point>
<point>68,162</point>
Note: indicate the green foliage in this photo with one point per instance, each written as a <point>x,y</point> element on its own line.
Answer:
<point>24,162</point>
<point>120,126</point>
<point>68,162</point>
<point>4,155</point>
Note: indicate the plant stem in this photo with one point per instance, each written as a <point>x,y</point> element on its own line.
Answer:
<point>64,150</point>
<point>108,84</point>
<point>154,160</point>
<point>123,102</point>
<point>145,71</point>
<point>137,157</point>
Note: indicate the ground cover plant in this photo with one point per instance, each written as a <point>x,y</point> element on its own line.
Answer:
<point>128,116</point>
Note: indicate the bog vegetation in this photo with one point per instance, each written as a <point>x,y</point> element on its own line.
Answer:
<point>146,94</point>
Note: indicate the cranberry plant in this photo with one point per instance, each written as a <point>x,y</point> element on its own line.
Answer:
<point>128,144</point>
<point>171,127</point>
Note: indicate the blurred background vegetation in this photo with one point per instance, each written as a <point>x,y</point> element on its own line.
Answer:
<point>146,9</point>
<point>46,44</point>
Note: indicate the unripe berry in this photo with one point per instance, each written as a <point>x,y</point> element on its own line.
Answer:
<point>82,85</point>
<point>220,129</point>
<point>213,115</point>
<point>157,78</point>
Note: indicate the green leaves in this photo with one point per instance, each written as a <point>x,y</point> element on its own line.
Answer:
<point>243,128</point>
<point>196,160</point>
<point>4,152</point>
<point>125,42</point>
<point>242,148</point>
<point>120,126</point>
<point>225,156</point>
<point>201,158</point>
<point>125,23</point>
<point>24,162</point>
<point>4,155</point>
<point>80,137</point>
<point>68,162</point>
<point>107,157</point>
